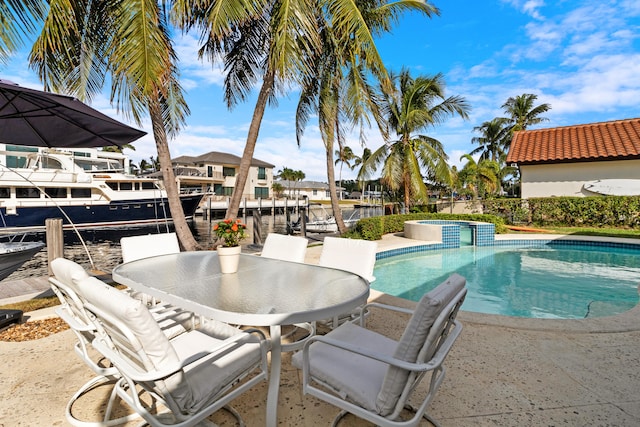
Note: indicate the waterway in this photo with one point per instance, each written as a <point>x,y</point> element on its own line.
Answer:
<point>100,249</point>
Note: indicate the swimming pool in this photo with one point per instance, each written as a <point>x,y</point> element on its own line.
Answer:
<point>562,281</point>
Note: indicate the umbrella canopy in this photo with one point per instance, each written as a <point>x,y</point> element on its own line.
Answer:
<point>43,119</point>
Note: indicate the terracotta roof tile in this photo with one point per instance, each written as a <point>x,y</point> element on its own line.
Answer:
<point>593,141</point>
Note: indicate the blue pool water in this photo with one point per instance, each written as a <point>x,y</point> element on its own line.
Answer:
<point>564,282</point>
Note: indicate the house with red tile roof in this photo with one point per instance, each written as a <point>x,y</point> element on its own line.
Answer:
<point>582,160</point>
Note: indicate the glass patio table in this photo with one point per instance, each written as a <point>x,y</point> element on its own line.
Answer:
<point>264,292</point>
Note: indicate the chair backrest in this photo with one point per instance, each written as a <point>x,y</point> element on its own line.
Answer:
<point>72,310</point>
<point>129,328</point>
<point>354,255</point>
<point>148,245</point>
<point>62,283</point>
<point>283,247</point>
<point>424,334</point>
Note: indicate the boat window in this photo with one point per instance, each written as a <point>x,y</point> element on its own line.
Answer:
<point>125,186</point>
<point>148,185</point>
<point>113,185</point>
<point>27,193</point>
<point>136,186</point>
<point>50,163</point>
<point>56,193</point>
<point>5,192</point>
<point>80,193</point>
<point>100,165</point>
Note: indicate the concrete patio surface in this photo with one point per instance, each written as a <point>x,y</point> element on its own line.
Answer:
<point>502,371</point>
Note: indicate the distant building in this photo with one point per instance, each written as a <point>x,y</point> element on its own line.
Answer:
<point>216,172</point>
<point>566,161</point>
<point>313,190</point>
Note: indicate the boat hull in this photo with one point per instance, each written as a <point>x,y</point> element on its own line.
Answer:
<point>114,214</point>
<point>13,255</point>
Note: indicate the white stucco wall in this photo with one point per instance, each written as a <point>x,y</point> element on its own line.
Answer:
<point>568,179</point>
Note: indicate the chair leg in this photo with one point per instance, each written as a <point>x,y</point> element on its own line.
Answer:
<point>88,386</point>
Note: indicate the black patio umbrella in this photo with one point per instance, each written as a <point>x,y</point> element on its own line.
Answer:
<point>44,119</point>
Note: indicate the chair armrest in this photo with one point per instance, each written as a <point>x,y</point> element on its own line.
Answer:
<point>63,313</point>
<point>365,309</point>
<point>434,363</point>
<point>131,371</point>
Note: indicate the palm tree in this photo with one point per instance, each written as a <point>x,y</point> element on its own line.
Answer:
<point>479,176</point>
<point>338,90</point>
<point>414,105</point>
<point>82,41</point>
<point>277,42</point>
<point>344,156</point>
<point>18,19</point>
<point>287,174</point>
<point>359,160</point>
<point>495,136</point>
<point>522,113</point>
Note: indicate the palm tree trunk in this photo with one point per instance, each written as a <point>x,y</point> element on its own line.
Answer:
<point>335,204</point>
<point>249,148</point>
<point>169,180</point>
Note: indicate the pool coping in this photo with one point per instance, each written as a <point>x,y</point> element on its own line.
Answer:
<point>623,322</point>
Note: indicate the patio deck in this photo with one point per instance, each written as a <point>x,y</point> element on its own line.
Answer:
<point>501,372</point>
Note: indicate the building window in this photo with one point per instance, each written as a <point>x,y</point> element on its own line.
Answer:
<point>327,193</point>
<point>262,173</point>
<point>227,191</point>
<point>228,171</point>
<point>315,192</point>
<point>261,192</point>
<point>210,171</point>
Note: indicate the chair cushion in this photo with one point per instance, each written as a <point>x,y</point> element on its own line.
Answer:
<point>207,378</point>
<point>68,272</point>
<point>414,337</point>
<point>358,378</point>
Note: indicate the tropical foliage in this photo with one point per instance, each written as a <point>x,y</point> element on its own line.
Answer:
<point>414,105</point>
<point>81,43</point>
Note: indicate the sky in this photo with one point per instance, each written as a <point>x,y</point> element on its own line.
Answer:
<point>581,57</point>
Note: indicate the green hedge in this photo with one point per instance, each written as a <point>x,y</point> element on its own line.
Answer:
<point>606,211</point>
<point>375,227</point>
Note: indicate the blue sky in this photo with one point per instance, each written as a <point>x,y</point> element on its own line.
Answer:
<point>582,57</point>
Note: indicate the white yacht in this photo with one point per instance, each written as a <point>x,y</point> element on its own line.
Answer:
<point>84,190</point>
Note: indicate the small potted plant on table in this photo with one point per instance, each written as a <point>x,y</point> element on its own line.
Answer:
<point>230,232</point>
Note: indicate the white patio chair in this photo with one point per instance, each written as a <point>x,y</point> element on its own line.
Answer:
<point>292,249</point>
<point>72,311</point>
<point>284,247</point>
<point>354,255</point>
<point>145,246</point>
<point>190,376</point>
<point>148,245</point>
<point>373,376</point>
<point>172,321</point>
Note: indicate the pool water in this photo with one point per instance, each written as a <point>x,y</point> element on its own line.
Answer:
<point>566,282</point>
